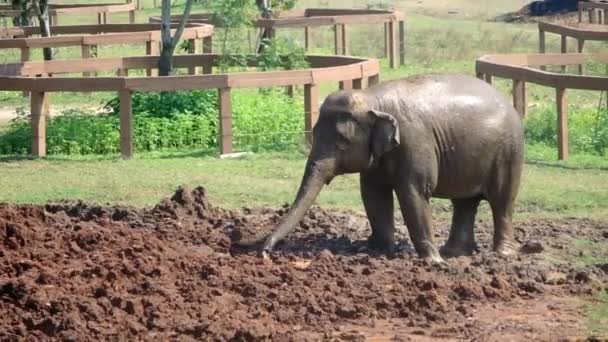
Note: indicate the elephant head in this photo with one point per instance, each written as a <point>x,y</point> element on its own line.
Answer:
<point>350,136</point>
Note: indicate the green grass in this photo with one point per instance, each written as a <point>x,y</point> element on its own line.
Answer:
<point>548,189</point>
<point>597,313</point>
<point>594,253</point>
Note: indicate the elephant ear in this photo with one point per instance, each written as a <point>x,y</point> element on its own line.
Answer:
<point>385,134</point>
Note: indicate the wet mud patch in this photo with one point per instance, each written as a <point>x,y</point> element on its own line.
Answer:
<point>171,272</point>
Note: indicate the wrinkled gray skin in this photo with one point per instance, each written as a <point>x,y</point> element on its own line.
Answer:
<point>446,136</point>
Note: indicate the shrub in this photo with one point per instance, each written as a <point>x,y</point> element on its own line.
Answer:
<point>186,120</point>
<point>588,130</point>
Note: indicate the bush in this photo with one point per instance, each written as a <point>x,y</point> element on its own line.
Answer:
<point>588,130</point>
<point>183,120</point>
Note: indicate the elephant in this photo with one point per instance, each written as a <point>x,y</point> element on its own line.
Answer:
<point>436,135</point>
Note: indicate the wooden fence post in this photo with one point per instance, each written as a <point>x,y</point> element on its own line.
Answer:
<point>338,39</point>
<point>581,46</point>
<point>131,17</point>
<point>373,80</point>
<point>308,38</point>
<point>346,85</point>
<point>344,40</point>
<point>151,50</point>
<point>564,49</point>
<point>85,52</point>
<point>488,78</point>
<point>225,111</point>
<point>401,42</point>
<point>38,108</point>
<point>480,75</point>
<point>542,47</point>
<point>520,100</point>
<point>126,124</point>
<point>562,124</point>
<point>311,109</point>
<point>358,83</point>
<point>25,57</point>
<point>208,44</point>
<point>192,50</point>
<point>393,49</point>
<point>386,41</point>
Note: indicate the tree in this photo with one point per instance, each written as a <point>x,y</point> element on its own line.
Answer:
<point>165,62</point>
<point>267,9</point>
<point>40,9</point>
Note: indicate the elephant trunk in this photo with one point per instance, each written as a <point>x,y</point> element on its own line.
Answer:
<point>315,176</point>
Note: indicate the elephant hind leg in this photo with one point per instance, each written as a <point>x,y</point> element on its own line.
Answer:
<point>501,196</point>
<point>462,239</point>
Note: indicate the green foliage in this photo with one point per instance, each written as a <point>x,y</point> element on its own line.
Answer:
<point>282,53</point>
<point>181,120</point>
<point>283,5</point>
<point>588,130</point>
<point>170,104</point>
<point>231,13</point>
<point>271,121</point>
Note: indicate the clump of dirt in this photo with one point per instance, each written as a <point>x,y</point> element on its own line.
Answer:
<point>79,271</point>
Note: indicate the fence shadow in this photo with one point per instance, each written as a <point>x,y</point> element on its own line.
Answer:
<point>565,167</point>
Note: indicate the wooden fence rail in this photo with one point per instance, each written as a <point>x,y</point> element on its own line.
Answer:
<point>596,29</point>
<point>338,19</point>
<point>30,76</point>
<point>522,69</point>
<point>102,10</point>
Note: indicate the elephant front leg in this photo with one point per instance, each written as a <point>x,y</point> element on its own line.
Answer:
<point>378,202</point>
<point>416,211</point>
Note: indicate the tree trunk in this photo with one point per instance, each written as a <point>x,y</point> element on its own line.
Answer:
<point>24,19</point>
<point>266,13</point>
<point>45,29</point>
<point>165,61</point>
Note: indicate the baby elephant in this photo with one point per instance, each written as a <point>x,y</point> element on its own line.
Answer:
<point>446,136</point>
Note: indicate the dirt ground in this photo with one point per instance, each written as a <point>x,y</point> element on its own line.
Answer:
<point>74,271</point>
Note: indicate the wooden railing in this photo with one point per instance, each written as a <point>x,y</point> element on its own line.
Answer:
<point>88,37</point>
<point>307,19</point>
<point>522,69</point>
<point>102,10</point>
<point>352,72</point>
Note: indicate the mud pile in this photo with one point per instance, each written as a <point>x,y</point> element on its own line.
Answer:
<point>74,271</point>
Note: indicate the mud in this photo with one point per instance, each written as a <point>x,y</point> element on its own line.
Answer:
<point>74,271</point>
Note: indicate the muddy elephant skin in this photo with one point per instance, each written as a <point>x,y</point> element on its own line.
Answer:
<point>445,136</point>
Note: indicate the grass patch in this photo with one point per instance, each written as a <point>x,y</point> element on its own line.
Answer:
<point>597,316</point>
<point>266,179</point>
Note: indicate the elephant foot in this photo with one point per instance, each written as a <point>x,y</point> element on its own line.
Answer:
<point>386,246</point>
<point>455,250</point>
<point>507,248</point>
<point>429,253</point>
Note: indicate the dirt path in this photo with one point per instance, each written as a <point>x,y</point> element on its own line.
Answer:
<point>75,271</point>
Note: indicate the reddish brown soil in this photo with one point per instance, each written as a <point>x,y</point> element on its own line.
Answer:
<point>83,272</point>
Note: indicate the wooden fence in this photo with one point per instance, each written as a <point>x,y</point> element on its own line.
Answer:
<point>352,72</point>
<point>102,10</point>
<point>522,69</point>
<point>88,37</point>
<point>596,29</point>
<point>307,19</point>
